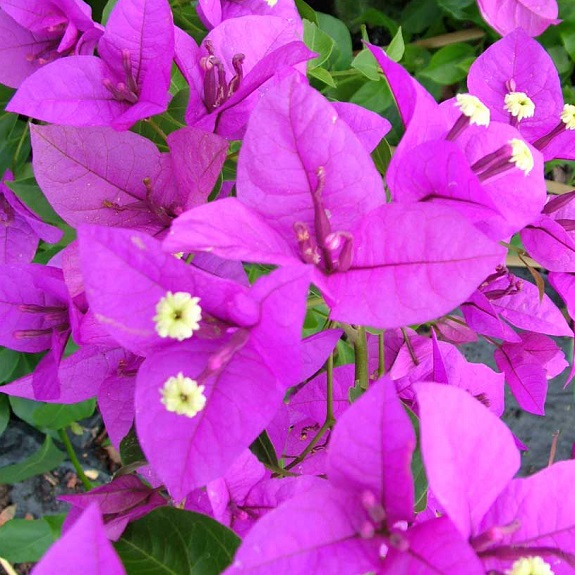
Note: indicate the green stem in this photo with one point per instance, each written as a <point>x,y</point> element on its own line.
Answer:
<point>329,416</point>
<point>19,147</point>
<point>361,367</point>
<point>409,346</point>
<point>381,355</point>
<point>74,459</point>
<point>327,424</point>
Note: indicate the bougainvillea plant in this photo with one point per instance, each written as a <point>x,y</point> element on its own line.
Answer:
<point>261,251</point>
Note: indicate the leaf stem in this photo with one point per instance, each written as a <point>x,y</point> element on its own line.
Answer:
<point>451,38</point>
<point>329,418</point>
<point>63,433</point>
<point>19,147</point>
<point>361,367</point>
<point>409,346</point>
<point>381,354</point>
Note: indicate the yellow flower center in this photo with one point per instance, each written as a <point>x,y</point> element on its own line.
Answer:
<point>568,116</point>
<point>183,396</point>
<point>178,315</point>
<point>271,3</point>
<point>474,109</point>
<point>521,155</point>
<point>519,105</point>
<point>530,566</point>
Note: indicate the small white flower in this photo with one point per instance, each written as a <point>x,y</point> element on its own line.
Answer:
<point>183,396</point>
<point>530,566</point>
<point>519,105</point>
<point>472,107</point>
<point>568,116</point>
<point>521,155</point>
<point>178,315</point>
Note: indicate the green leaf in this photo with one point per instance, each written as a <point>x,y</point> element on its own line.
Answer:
<point>45,459</point>
<point>381,156</point>
<point>130,450</point>
<point>14,140</point>
<point>417,468</point>
<point>29,192</point>
<point>396,47</point>
<point>26,541</point>
<point>374,96</point>
<point>375,17</point>
<point>8,361</point>
<point>419,15</point>
<point>355,393</point>
<point>107,9</point>
<point>172,119</point>
<point>58,416</point>
<point>171,541</point>
<point>5,95</point>
<point>306,11</point>
<point>264,450</point>
<point>443,67</point>
<point>342,54</point>
<point>366,63</point>
<point>455,8</point>
<point>4,416</point>
<point>317,41</point>
<point>323,75</point>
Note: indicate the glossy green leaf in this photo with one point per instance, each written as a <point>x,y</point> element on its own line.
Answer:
<point>25,541</point>
<point>323,75</point>
<point>4,415</point>
<point>264,450</point>
<point>58,416</point>
<point>171,541</point>
<point>45,459</point>
<point>342,54</point>
<point>396,47</point>
<point>381,156</point>
<point>366,63</point>
<point>456,8</point>
<point>306,11</point>
<point>29,192</point>
<point>317,41</point>
<point>8,362</point>
<point>14,142</point>
<point>110,4</point>
<point>130,450</point>
<point>443,67</point>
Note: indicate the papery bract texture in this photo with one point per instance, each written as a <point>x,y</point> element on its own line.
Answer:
<point>83,549</point>
<point>542,507</point>
<point>534,16</point>
<point>379,461</point>
<point>318,535</point>
<point>433,548</point>
<point>420,260</point>
<point>466,485</point>
<point>122,500</point>
<point>293,132</point>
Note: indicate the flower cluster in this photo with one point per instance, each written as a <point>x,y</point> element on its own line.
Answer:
<point>214,316</point>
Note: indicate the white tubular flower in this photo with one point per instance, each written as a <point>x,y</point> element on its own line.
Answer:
<point>568,116</point>
<point>521,156</point>
<point>530,566</point>
<point>519,105</point>
<point>183,396</point>
<point>178,315</point>
<point>472,107</point>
